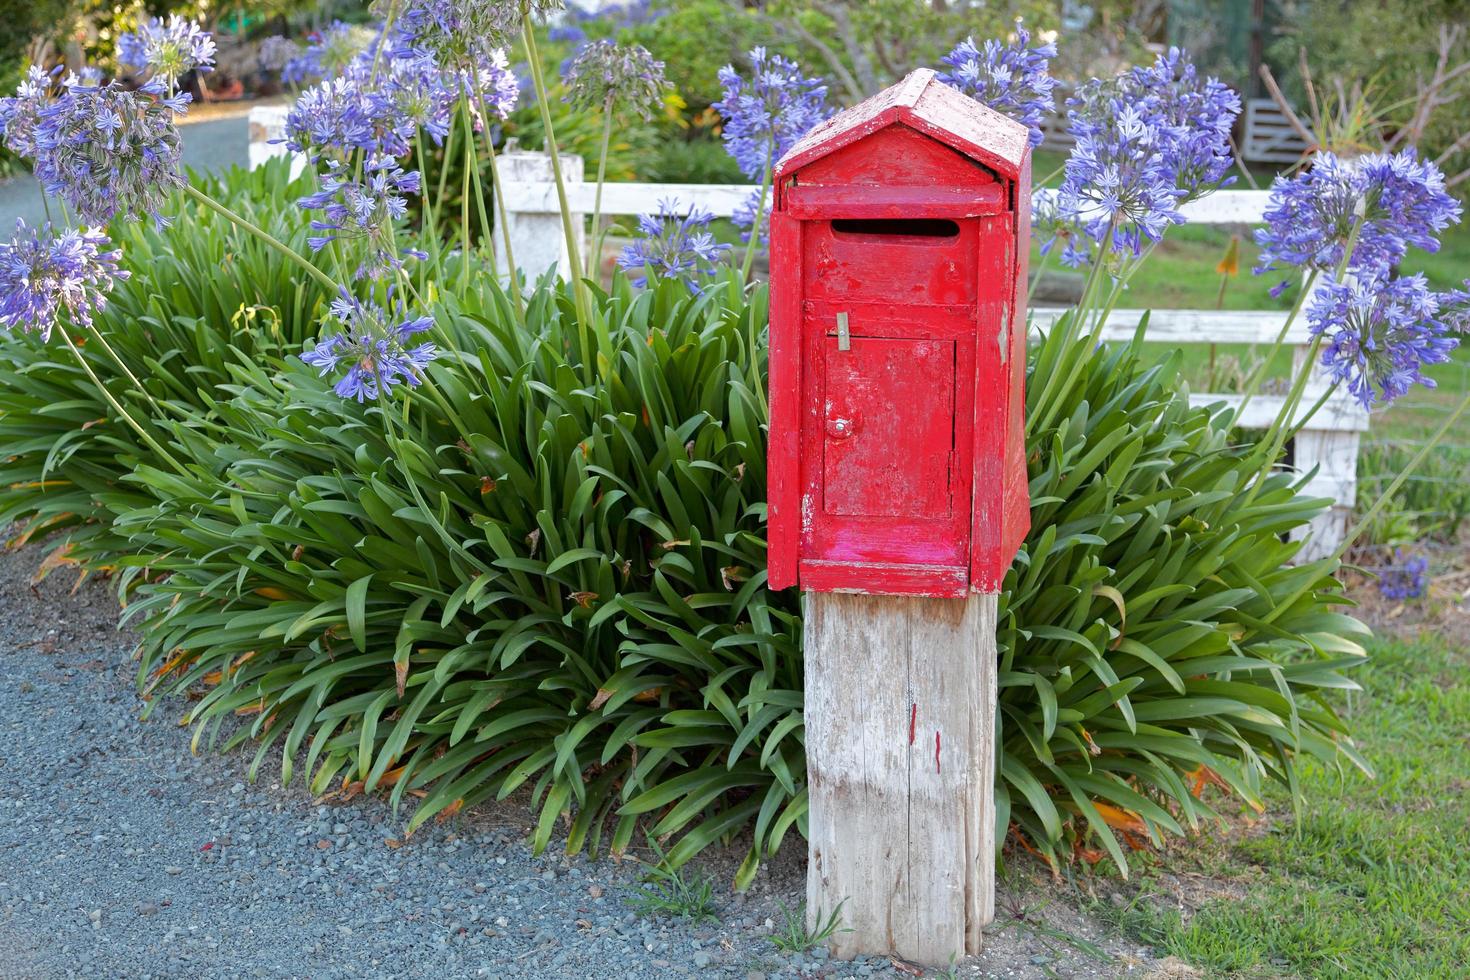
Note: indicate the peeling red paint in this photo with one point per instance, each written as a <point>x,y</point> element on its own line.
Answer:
<point>936,751</point>
<point>913,721</point>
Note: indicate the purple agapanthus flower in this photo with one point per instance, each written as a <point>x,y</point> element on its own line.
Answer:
<point>460,34</point>
<point>275,53</point>
<point>168,48</point>
<point>1010,78</point>
<point>1454,309</point>
<point>20,114</point>
<point>1399,200</point>
<point>362,210</point>
<point>383,98</point>
<point>765,115</point>
<point>673,244</point>
<point>374,345</point>
<point>107,151</point>
<point>329,53</point>
<point>612,77</point>
<point>749,214</point>
<point>492,84</point>
<point>43,273</point>
<point>1406,578</point>
<point>1148,141</point>
<point>1378,334</point>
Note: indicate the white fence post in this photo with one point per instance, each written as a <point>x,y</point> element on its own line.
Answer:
<point>267,129</point>
<point>536,237</point>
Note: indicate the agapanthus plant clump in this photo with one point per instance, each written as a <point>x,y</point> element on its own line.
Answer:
<point>674,243</point>
<point>1012,77</point>
<point>1147,141</point>
<point>374,345</point>
<point>44,272</point>
<point>167,49</point>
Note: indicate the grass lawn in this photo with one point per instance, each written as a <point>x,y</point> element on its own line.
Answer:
<point>1374,879</point>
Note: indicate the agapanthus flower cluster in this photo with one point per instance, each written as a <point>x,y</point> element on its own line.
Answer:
<point>168,48</point>
<point>363,211</point>
<point>749,213</point>
<point>43,273</point>
<point>106,150</point>
<point>673,244</point>
<point>616,77</point>
<point>492,85</point>
<point>1148,141</point>
<point>275,53</point>
<point>765,115</point>
<point>461,34</point>
<point>20,114</point>
<point>1398,199</point>
<point>383,98</point>
<point>1052,227</point>
<point>1454,309</point>
<point>329,53</point>
<point>1378,334</point>
<point>1010,78</point>
<point>376,347</point>
<point>1406,578</point>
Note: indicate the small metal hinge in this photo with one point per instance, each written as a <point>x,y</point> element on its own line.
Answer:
<point>844,338</point>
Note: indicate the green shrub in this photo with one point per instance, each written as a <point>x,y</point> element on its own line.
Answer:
<point>556,580</point>
<point>203,295</point>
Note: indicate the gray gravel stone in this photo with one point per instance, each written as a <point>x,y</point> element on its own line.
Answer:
<point>123,855</point>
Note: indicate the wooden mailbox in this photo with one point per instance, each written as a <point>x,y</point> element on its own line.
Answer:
<point>898,252</point>
<point>898,496</point>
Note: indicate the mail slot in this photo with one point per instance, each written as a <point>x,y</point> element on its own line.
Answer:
<point>898,246</point>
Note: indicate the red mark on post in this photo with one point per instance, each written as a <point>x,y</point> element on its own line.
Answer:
<point>936,751</point>
<point>913,721</point>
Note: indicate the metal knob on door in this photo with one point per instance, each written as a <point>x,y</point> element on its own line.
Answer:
<point>841,426</point>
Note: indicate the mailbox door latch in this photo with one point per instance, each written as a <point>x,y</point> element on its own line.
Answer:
<point>844,336</point>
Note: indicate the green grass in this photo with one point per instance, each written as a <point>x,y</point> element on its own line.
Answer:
<point>1374,879</point>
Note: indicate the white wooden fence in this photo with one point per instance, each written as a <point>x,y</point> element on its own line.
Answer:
<point>1328,445</point>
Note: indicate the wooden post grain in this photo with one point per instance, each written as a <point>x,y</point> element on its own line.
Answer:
<point>900,724</point>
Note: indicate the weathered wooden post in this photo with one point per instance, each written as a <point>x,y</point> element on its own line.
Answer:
<point>898,496</point>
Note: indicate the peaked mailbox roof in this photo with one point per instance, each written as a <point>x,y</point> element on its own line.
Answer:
<point>922,102</point>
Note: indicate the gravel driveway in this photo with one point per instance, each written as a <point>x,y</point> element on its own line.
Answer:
<point>123,855</point>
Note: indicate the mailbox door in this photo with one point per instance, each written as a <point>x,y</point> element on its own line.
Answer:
<point>886,447</point>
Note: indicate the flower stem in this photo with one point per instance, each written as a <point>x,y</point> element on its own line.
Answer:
<point>574,251</point>
<point>146,436</point>
<point>430,224</point>
<point>480,210</point>
<point>597,235</point>
<point>1258,373</point>
<point>264,236</point>
<point>755,224</point>
<point>513,272</point>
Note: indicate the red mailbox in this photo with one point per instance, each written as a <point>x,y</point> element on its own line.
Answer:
<point>899,235</point>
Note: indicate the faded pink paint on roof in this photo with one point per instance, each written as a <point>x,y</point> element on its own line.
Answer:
<point>922,102</point>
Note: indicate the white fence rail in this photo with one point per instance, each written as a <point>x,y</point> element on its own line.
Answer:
<point>1329,444</point>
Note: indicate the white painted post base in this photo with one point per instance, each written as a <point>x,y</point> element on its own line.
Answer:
<point>900,728</point>
<point>537,238</point>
